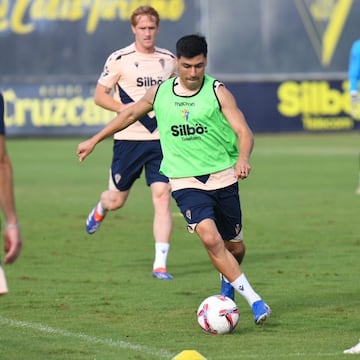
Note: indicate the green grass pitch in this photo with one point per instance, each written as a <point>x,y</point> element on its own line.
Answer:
<point>75,296</point>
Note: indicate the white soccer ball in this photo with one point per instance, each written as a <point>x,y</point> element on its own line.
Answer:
<point>218,314</point>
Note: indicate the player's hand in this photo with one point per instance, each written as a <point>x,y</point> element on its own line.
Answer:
<point>85,148</point>
<point>12,242</point>
<point>242,170</point>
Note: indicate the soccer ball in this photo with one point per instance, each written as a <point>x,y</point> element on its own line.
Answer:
<point>218,314</point>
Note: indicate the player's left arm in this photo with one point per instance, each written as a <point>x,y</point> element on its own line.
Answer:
<point>237,121</point>
<point>120,122</point>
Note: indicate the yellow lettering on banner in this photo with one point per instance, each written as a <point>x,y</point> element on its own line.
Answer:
<point>17,18</point>
<point>312,97</point>
<point>320,106</point>
<point>318,123</point>
<point>93,115</point>
<point>53,111</point>
<point>75,10</point>
<point>95,14</point>
<point>76,104</point>
<point>18,120</point>
<point>57,10</point>
<point>4,8</point>
<point>288,94</point>
<point>324,21</point>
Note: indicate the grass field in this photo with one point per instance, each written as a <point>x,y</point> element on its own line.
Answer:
<point>75,296</point>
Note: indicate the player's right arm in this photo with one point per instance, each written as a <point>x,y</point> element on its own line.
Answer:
<point>103,97</point>
<point>120,122</point>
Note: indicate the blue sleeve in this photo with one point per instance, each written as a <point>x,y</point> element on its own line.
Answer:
<point>2,124</point>
<point>354,66</point>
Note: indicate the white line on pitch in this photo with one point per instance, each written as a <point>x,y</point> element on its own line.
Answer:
<point>160,353</point>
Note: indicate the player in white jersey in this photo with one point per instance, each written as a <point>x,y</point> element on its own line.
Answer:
<point>127,74</point>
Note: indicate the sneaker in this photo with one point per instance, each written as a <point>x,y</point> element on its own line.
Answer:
<point>354,350</point>
<point>227,289</point>
<point>161,274</point>
<point>93,221</point>
<point>261,311</point>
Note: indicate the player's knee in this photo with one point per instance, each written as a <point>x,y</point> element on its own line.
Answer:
<point>212,242</point>
<point>112,200</point>
<point>162,198</point>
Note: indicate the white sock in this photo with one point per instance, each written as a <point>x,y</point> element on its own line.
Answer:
<point>224,278</point>
<point>100,210</point>
<point>161,253</point>
<point>242,286</point>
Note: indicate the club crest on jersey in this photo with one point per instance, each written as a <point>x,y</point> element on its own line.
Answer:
<point>185,114</point>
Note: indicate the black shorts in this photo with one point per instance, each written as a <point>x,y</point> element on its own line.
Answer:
<point>221,205</point>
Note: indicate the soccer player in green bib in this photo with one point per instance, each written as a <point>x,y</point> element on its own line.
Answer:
<point>206,145</point>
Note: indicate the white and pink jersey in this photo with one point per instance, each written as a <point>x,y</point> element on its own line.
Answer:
<point>130,73</point>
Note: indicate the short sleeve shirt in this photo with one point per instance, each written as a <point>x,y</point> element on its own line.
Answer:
<point>130,74</point>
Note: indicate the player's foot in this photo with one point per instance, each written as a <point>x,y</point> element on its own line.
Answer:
<point>227,289</point>
<point>161,274</point>
<point>261,312</point>
<point>354,350</point>
<point>93,221</point>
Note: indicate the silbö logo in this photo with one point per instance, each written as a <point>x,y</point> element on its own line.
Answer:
<point>188,130</point>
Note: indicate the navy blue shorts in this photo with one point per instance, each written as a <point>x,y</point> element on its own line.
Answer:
<point>129,159</point>
<point>221,205</point>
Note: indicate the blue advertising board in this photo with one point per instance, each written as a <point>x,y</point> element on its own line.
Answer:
<point>293,105</point>
<point>52,53</point>
<point>271,106</point>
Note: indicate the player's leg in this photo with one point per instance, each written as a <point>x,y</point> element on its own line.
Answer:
<point>201,219</point>
<point>227,265</point>
<point>162,227</point>
<point>110,200</point>
<point>229,224</point>
<point>237,249</point>
<point>161,199</point>
<point>221,258</point>
<point>125,169</point>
